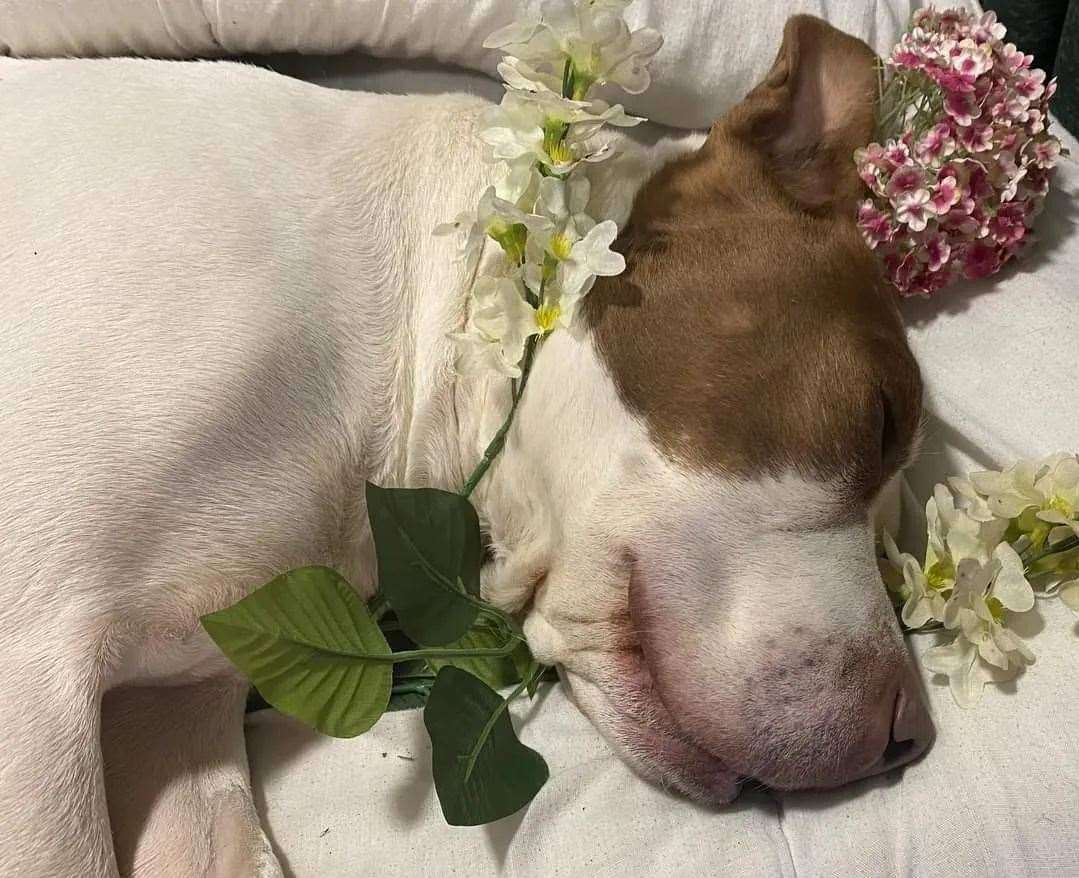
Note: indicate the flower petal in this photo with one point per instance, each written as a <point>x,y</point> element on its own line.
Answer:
<point>1011,587</point>
<point>1069,594</point>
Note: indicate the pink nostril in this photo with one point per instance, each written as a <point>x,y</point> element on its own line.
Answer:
<point>912,728</point>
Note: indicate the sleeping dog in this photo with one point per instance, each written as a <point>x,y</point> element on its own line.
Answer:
<point>222,310</point>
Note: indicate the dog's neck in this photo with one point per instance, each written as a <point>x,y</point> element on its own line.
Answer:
<point>446,412</point>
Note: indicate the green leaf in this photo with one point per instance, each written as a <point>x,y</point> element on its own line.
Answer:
<point>309,644</point>
<point>482,772</point>
<point>495,672</point>
<point>428,547</point>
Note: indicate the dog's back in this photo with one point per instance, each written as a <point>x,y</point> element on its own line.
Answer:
<point>207,274</point>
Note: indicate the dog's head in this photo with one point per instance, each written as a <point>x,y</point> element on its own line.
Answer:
<point>687,516</point>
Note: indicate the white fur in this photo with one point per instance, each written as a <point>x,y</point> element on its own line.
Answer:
<point>222,310</point>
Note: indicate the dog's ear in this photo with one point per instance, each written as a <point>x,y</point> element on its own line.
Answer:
<point>814,108</point>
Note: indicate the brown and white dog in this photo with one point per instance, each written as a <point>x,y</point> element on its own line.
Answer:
<point>221,310</point>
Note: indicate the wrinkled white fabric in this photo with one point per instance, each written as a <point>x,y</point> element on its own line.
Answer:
<point>714,52</point>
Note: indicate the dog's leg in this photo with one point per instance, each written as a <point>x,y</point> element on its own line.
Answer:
<point>178,786</point>
<point>53,819</point>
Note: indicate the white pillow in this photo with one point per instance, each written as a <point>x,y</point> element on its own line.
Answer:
<point>715,50</point>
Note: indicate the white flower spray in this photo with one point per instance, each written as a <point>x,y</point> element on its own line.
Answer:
<point>996,541</point>
<point>542,135</point>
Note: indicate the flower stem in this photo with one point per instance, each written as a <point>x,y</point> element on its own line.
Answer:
<point>499,440</point>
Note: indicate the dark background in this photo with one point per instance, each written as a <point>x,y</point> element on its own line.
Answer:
<point>1048,30</point>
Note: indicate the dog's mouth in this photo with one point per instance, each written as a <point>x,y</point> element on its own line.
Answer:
<point>630,714</point>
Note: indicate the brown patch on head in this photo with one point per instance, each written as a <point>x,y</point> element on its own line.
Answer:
<point>751,328</point>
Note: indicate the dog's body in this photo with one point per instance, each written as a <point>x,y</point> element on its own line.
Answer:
<point>222,310</point>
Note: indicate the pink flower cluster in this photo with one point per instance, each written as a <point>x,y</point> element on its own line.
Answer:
<point>958,198</point>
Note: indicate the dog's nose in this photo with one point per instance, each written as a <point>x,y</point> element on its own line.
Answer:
<point>912,727</point>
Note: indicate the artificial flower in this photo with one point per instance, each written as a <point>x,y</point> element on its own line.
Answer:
<point>501,324</point>
<point>493,218</point>
<point>540,138</point>
<point>982,592</point>
<point>546,128</point>
<point>966,113</point>
<point>591,36</point>
<point>1000,539</point>
<point>1041,495</point>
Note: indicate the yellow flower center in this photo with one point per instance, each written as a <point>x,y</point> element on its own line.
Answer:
<point>554,141</point>
<point>511,238</point>
<point>547,316</point>
<point>996,609</point>
<point>1061,505</point>
<point>1029,524</point>
<point>940,576</point>
<point>560,246</point>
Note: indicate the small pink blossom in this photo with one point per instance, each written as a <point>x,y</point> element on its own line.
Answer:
<point>1046,152</point>
<point>961,107</point>
<point>1030,84</point>
<point>914,209</point>
<point>971,59</point>
<point>877,226</point>
<point>955,194</point>
<point>898,153</point>
<point>961,222</point>
<point>988,29</point>
<point>937,250</point>
<point>908,178</point>
<point>946,194</point>
<point>980,260</point>
<point>976,138</point>
<point>1008,227</point>
<point>938,143</point>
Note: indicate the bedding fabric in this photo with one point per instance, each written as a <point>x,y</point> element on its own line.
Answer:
<point>715,50</point>
<point>994,797</point>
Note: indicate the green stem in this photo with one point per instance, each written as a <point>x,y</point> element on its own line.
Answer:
<point>435,653</point>
<point>925,629</point>
<point>485,732</point>
<point>413,688</point>
<point>499,439</point>
<point>1063,546</point>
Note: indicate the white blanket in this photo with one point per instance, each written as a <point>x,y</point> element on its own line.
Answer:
<point>715,50</point>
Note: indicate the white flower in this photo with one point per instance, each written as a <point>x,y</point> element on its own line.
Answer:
<point>592,34</point>
<point>547,128</point>
<point>953,535</point>
<point>518,182</point>
<point>921,603</point>
<point>494,217</point>
<point>972,503</point>
<point>523,77</point>
<point>983,591</point>
<point>967,673</point>
<point>914,209</point>
<point>1034,491</point>
<point>570,267</point>
<point>500,325</point>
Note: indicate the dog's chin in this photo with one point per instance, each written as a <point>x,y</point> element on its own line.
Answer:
<point>637,725</point>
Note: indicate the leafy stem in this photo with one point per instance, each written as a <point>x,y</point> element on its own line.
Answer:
<point>485,732</point>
